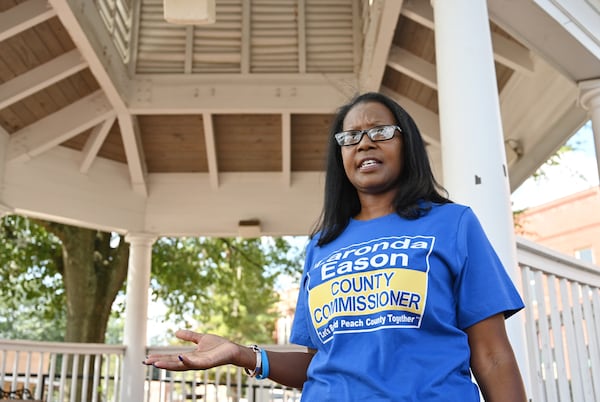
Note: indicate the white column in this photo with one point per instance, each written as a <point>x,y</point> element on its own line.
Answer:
<point>136,315</point>
<point>473,157</point>
<point>589,99</point>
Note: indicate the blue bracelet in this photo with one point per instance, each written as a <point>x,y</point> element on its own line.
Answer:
<point>265,365</point>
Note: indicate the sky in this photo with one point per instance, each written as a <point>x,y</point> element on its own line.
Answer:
<point>577,171</point>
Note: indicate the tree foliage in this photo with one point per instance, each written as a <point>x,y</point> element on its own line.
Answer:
<point>222,285</point>
<point>59,282</point>
<point>33,297</point>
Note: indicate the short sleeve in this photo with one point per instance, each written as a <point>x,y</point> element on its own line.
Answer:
<point>301,327</point>
<point>483,287</point>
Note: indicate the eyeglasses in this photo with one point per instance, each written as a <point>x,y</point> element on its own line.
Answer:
<point>353,137</point>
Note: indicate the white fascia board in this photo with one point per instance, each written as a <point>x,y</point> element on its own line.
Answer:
<point>198,210</point>
<point>222,93</point>
<point>51,187</point>
<point>579,18</point>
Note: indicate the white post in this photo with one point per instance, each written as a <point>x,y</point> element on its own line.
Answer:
<point>589,99</point>
<point>473,157</point>
<point>136,315</point>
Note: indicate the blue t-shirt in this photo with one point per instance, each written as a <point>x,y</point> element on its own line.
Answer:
<point>386,305</point>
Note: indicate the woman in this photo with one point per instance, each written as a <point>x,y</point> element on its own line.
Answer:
<point>402,295</point>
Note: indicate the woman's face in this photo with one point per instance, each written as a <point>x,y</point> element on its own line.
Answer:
<point>372,167</point>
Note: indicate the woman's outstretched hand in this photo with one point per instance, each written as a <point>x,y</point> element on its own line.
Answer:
<point>211,351</point>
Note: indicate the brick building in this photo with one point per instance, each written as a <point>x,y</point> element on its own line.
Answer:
<point>570,225</point>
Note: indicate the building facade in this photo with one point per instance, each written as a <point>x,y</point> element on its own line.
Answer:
<point>570,225</point>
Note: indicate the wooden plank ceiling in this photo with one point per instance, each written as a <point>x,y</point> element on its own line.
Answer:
<point>252,93</point>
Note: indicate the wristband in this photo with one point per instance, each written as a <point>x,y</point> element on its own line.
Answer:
<point>259,364</point>
<point>264,373</point>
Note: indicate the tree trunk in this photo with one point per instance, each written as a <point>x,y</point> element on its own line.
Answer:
<point>93,273</point>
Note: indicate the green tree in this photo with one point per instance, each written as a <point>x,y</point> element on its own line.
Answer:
<point>67,274</point>
<point>30,282</point>
<point>61,281</point>
<point>222,285</point>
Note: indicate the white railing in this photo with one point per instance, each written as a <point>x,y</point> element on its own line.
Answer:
<point>226,383</point>
<point>562,321</point>
<point>57,371</point>
<point>562,324</point>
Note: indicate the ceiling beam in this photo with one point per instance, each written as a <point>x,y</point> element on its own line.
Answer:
<point>427,121</point>
<point>24,16</point>
<point>40,77</point>
<point>94,142</point>
<point>383,18</point>
<point>211,150</point>
<point>413,66</point>
<point>506,52</point>
<point>221,93</point>
<point>58,127</point>
<point>85,26</point>
<point>132,142</point>
<point>286,148</point>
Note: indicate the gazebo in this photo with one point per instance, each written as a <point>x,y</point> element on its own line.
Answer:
<point>115,119</point>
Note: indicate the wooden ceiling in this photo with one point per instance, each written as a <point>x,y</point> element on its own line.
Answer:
<point>171,129</point>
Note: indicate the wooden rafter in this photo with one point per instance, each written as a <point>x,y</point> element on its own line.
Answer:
<point>383,19</point>
<point>24,16</point>
<point>506,52</point>
<point>211,150</point>
<point>58,127</point>
<point>40,77</point>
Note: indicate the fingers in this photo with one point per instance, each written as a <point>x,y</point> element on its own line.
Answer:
<point>167,362</point>
<point>187,335</point>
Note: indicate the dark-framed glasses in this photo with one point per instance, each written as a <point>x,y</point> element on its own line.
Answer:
<point>379,133</point>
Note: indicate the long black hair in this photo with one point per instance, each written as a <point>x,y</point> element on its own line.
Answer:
<point>417,189</point>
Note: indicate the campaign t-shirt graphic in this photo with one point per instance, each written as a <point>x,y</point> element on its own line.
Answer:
<point>370,286</point>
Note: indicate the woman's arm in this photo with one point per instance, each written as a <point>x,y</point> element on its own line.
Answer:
<point>493,361</point>
<point>286,368</point>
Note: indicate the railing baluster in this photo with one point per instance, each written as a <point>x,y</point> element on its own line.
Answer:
<point>532,337</point>
<point>85,380</point>
<point>580,342</point>
<point>39,389</point>
<point>576,384</point>
<point>74,377</point>
<point>13,383</point>
<point>592,340</point>
<point>557,334</point>
<point>97,369</point>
